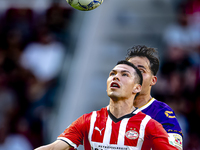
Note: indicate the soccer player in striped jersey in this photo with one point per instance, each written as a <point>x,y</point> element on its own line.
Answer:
<point>119,125</point>
<point>147,61</point>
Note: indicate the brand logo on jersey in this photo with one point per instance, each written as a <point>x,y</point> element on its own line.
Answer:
<point>131,134</point>
<point>96,128</point>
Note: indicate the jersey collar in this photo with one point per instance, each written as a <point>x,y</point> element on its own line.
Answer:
<point>134,111</point>
<point>125,116</point>
<point>147,104</point>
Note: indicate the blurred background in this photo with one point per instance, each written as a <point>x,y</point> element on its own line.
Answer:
<point>55,60</point>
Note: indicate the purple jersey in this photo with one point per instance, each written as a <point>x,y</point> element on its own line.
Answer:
<point>162,113</point>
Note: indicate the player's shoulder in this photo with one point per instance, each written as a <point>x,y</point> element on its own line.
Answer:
<point>102,110</point>
<point>150,123</point>
<point>97,113</point>
<point>153,123</point>
<point>149,119</point>
<point>154,104</point>
<point>167,117</point>
<point>155,107</point>
<point>162,113</point>
<point>166,110</point>
<point>161,105</point>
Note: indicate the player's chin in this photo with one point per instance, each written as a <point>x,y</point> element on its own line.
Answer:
<point>113,94</point>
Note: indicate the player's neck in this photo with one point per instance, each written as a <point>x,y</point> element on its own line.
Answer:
<point>121,107</point>
<point>141,100</point>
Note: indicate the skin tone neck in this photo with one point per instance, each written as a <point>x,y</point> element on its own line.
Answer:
<point>120,108</point>
<point>142,99</point>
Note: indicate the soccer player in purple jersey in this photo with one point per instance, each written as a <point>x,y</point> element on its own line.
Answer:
<point>147,61</point>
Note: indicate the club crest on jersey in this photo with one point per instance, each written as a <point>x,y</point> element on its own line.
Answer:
<point>131,134</point>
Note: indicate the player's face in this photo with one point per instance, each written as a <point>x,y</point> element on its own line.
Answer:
<point>120,83</point>
<point>143,65</point>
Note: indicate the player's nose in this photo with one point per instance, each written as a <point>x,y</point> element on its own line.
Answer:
<point>116,78</point>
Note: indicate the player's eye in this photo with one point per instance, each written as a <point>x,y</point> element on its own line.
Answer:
<point>112,73</point>
<point>125,74</point>
<point>142,71</point>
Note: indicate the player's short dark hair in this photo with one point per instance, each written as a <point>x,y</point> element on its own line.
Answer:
<point>139,78</point>
<point>143,51</point>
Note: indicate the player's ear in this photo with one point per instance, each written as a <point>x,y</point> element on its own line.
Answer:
<point>153,80</point>
<point>137,88</point>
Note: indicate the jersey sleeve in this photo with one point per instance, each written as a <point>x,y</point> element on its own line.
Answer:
<point>157,137</point>
<point>74,134</point>
<point>167,118</point>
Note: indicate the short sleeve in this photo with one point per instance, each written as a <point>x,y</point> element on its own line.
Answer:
<point>74,134</point>
<point>167,118</point>
<point>170,123</point>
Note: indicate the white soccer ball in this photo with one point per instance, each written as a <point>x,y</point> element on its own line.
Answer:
<point>85,5</point>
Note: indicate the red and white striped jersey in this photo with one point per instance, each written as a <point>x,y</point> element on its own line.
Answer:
<point>100,130</point>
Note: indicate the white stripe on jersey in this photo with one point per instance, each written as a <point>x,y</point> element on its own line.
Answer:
<point>122,131</point>
<point>108,130</point>
<point>92,121</point>
<point>142,130</point>
<point>136,111</point>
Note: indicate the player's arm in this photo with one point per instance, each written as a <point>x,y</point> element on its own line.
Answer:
<point>169,122</point>
<point>178,147</point>
<point>57,145</point>
<point>158,136</point>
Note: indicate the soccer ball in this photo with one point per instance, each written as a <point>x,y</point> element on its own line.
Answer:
<point>85,5</point>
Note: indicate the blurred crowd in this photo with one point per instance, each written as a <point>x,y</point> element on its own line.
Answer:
<point>179,77</point>
<point>32,50</point>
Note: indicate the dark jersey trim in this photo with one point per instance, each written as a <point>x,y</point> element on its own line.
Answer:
<point>168,124</point>
<point>119,119</point>
<point>175,131</point>
<point>66,142</point>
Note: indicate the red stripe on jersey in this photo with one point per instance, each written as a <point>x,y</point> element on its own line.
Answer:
<point>132,129</point>
<point>114,132</point>
<point>99,126</point>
